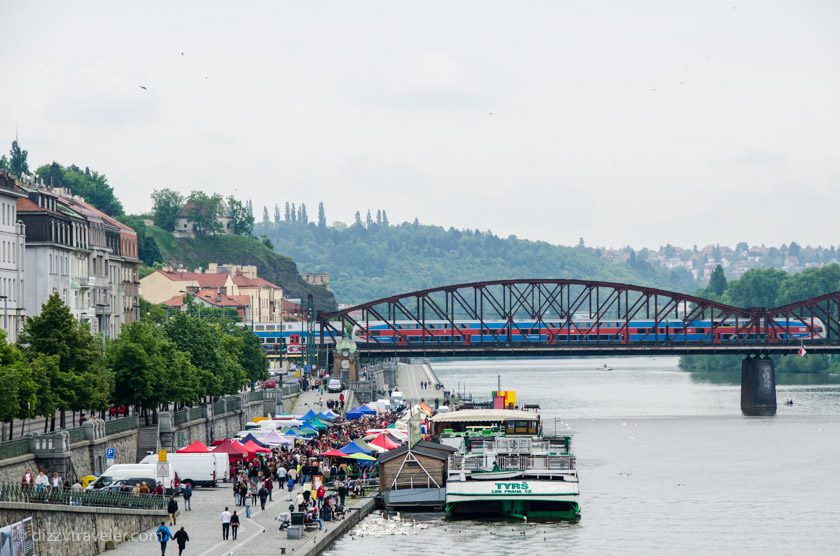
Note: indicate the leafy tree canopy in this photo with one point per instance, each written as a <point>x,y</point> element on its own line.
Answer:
<point>90,185</point>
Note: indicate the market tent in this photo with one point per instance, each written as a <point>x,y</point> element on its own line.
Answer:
<point>308,415</point>
<point>306,430</point>
<point>253,448</point>
<point>384,441</point>
<point>329,415</point>
<point>323,421</point>
<point>333,454</point>
<point>275,439</point>
<point>353,414</point>
<point>234,451</point>
<point>196,447</point>
<point>316,424</point>
<point>365,410</point>
<point>353,448</point>
<point>251,438</point>
<point>360,456</point>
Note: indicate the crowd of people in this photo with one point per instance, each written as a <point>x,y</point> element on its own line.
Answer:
<point>326,481</point>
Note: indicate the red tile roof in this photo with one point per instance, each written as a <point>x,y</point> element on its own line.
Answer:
<point>26,205</point>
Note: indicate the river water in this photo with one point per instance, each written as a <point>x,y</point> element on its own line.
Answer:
<point>667,464</point>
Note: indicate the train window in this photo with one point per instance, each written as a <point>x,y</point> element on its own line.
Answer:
<point>259,327</point>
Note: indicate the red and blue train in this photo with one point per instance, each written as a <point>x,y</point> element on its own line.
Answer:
<point>587,331</point>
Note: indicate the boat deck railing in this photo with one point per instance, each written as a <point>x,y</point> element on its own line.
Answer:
<point>541,462</point>
<point>520,445</point>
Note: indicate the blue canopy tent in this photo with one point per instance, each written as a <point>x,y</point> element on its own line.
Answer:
<point>327,415</point>
<point>307,430</point>
<point>253,439</point>
<point>366,410</point>
<point>353,448</point>
<point>353,414</point>
<point>308,416</point>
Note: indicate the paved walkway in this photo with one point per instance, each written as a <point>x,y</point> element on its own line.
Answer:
<point>258,535</point>
<point>408,382</point>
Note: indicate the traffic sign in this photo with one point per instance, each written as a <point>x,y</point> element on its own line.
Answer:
<point>162,469</point>
<point>161,455</point>
<point>110,453</point>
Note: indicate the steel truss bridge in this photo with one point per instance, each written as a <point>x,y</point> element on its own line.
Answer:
<point>559,306</point>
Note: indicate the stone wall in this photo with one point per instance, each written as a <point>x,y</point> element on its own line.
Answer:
<point>79,531</point>
<point>13,469</point>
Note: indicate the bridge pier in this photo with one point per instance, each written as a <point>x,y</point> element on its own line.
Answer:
<point>758,387</point>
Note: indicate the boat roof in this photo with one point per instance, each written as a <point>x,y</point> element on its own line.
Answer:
<point>485,415</point>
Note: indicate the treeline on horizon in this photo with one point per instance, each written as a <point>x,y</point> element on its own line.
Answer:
<point>770,288</point>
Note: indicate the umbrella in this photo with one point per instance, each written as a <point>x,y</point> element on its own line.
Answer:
<point>361,457</point>
<point>196,447</point>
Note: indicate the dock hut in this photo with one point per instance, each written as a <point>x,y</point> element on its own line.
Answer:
<point>414,478</point>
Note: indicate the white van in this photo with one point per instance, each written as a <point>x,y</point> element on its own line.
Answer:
<point>397,400</point>
<point>132,473</point>
<point>197,469</point>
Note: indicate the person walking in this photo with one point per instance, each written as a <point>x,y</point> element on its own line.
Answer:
<point>187,497</point>
<point>163,535</point>
<point>248,505</point>
<point>181,537</point>
<point>172,510</point>
<point>300,501</point>
<point>263,494</point>
<point>269,486</point>
<point>225,524</point>
<point>234,524</point>
<point>342,491</point>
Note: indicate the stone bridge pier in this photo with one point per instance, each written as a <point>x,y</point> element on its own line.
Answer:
<point>758,386</point>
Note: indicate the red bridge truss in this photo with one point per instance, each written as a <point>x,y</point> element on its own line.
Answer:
<point>579,317</point>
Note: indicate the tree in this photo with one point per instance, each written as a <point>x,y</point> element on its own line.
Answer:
<point>4,162</point>
<point>357,218</point>
<point>252,356</point>
<point>378,216</point>
<point>303,216</point>
<point>368,219</point>
<point>755,288</point>
<point>92,186</point>
<point>250,208</point>
<point>80,381</point>
<point>322,217</point>
<point>265,219</point>
<point>717,282</point>
<point>17,160</point>
<point>276,213</point>
<point>167,204</point>
<point>288,212</point>
<point>203,211</point>
<point>241,222</point>
<point>384,218</point>
<point>294,214</point>
<point>149,370</point>
<point>742,247</point>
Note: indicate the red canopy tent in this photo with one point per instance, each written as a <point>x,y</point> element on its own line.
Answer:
<point>253,448</point>
<point>196,447</point>
<point>384,441</point>
<point>333,454</point>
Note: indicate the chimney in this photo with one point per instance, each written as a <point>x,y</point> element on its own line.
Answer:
<point>212,268</point>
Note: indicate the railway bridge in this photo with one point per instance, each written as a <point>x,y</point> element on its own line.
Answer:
<point>566,317</point>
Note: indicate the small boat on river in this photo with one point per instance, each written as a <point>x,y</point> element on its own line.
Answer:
<point>506,467</point>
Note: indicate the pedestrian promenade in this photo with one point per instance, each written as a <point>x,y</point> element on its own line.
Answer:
<point>409,379</point>
<point>258,535</point>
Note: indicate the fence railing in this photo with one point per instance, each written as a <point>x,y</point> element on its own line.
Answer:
<point>14,448</point>
<point>181,417</point>
<point>120,425</point>
<point>91,498</point>
<point>218,407</point>
<point>196,413</point>
<point>255,396</point>
<point>289,389</point>
<point>77,435</point>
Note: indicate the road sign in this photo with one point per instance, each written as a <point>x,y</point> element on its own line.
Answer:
<point>162,470</point>
<point>161,455</point>
<point>110,453</point>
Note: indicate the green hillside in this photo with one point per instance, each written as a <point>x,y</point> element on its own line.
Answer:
<point>371,261</point>
<point>198,252</point>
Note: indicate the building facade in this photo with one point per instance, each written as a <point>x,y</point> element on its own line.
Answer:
<point>12,260</point>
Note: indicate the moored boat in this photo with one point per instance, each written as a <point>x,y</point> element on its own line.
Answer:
<point>506,467</point>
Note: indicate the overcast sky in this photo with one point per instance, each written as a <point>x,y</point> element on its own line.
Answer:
<point>637,123</point>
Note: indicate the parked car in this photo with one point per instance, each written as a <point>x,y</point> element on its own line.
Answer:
<point>334,386</point>
<point>269,384</point>
<point>121,411</point>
